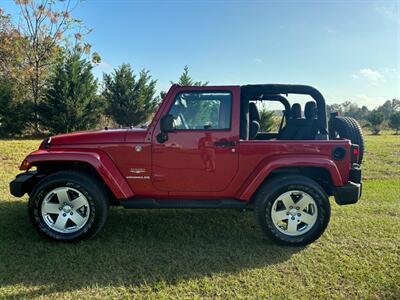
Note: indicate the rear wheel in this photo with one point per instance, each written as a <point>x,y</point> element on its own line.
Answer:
<point>292,210</point>
<point>68,206</point>
<point>347,128</point>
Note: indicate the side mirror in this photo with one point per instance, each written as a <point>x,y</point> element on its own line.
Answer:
<point>166,125</point>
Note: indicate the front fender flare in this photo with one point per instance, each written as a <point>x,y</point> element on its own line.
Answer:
<point>99,160</point>
<point>272,163</point>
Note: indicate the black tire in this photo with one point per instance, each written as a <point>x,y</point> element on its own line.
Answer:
<point>347,128</point>
<point>94,193</point>
<point>277,186</point>
<point>359,138</point>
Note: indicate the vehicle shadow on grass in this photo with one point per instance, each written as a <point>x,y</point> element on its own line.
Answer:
<point>136,248</point>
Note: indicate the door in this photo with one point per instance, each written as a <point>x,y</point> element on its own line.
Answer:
<point>201,154</point>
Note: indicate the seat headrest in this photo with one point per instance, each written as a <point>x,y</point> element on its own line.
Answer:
<point>310,110</point>
<point>295,111</point>
<point>254,115</point>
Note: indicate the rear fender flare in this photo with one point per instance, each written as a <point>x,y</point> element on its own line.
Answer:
<point>272,163</point>
<point>99,160</point>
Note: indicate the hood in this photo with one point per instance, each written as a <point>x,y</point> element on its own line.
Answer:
<point>106,136</point>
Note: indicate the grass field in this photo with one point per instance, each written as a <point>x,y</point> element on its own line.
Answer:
<point>209,254</point>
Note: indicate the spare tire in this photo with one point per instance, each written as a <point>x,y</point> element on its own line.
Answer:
<point>347,128</point>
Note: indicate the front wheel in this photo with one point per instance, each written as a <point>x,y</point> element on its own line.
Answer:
<point>68,206</point>
<point>292,210</point>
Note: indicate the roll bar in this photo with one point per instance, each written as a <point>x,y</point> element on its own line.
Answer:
<point>275,97</point>
<point>254,91</point>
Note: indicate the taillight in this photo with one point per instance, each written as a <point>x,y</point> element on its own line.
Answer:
<point>355,152</point>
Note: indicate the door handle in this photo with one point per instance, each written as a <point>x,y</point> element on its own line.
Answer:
<point>225,143</point>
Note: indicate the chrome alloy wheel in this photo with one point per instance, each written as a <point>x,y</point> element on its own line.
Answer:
<point>65,210</point>
<point>294,213</point>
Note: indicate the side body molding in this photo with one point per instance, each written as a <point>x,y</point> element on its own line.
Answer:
<point>272,163</point>
<point>99,160</point>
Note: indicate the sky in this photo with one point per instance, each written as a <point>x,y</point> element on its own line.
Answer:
<point>349,50</point>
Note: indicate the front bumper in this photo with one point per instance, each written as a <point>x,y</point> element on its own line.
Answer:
<point>350,193</point>
<point>23,183</point>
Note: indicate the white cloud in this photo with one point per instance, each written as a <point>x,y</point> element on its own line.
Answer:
<point>372,75</point>
<point>390,11</point>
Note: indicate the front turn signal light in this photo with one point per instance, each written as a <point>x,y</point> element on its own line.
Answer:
<point>25,165</point>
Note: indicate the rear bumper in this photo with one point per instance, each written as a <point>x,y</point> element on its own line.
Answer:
<point>23,183</point>
<point>350,193</point>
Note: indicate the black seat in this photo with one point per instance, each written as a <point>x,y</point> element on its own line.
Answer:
<point>288,132</point>
<point>298,128</point>
<point>309,129</point>
<point>295,111</point>
<point>254,120</point>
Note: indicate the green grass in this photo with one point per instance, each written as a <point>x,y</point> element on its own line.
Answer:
<point>209,254</point>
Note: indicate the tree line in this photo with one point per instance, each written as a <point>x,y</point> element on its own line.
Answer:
<point>387,114</point>
<point>47,84</point>
<point>46,75</point>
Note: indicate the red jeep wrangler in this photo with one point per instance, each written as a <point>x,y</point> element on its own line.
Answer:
<point>203,149</point>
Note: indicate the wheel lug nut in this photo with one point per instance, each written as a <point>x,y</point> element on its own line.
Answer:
<point>71,213</point>
<point>299,214</point>
<point>60,208</point>
<point>290,207</point>
<point>64,214</point>
<point>292,218</point>
<point>297,208</point>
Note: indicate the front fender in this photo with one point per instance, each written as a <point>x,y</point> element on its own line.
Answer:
<point>100,161</point>
<point>273,163</point>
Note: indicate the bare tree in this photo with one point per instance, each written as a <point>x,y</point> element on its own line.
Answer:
<point>43,29</point>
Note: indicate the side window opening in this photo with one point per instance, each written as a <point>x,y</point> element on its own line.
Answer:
<point>202,111</point>
<point>265,119</point>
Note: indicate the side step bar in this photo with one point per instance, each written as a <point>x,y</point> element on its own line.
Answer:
<point>181,203</point>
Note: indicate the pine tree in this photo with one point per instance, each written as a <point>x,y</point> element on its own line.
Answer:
<point>186,80</point>
<point>32,42</point>
<point>13,114</point>
<point>375,118</point>
<point>71,102</point>
<point>394,121</point>
<point>129,101</point>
